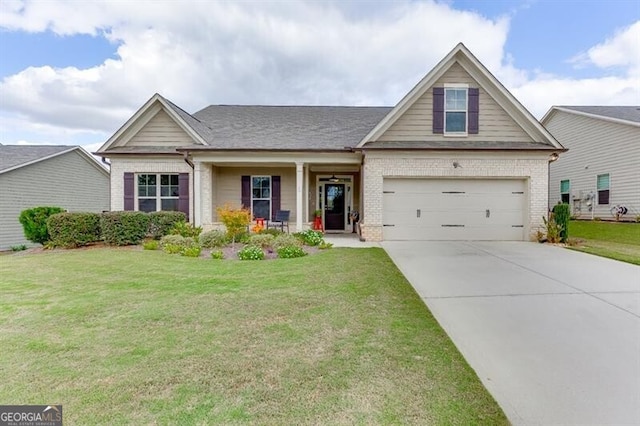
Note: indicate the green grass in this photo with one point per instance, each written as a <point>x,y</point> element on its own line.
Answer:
<point>139,337</point>
<point>620,241</point>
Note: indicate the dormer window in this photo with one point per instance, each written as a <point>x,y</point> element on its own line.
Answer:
<point>455,110</point>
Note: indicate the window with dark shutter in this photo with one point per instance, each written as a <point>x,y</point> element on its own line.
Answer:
<point>474,111</point>
<point>183,193</point>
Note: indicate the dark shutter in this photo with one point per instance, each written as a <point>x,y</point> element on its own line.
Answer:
<point>129,191</point>
<point>438,110</point>
<point>474,110</point>
<point>246,192</point>
<point>183,193</point>
<point>275,196</point>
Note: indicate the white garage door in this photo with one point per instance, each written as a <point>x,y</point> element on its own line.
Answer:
<point>454,209</point>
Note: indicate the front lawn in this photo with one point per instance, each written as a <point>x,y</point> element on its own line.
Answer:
<point>125,336</point>
<point>615,240</point>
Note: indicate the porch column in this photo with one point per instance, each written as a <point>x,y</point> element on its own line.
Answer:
<point>197,193</point>
<point>306,194</point>
<point>299,187</point>
<point>206,194</point>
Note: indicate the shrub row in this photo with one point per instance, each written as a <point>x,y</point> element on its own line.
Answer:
<point>52,225</point>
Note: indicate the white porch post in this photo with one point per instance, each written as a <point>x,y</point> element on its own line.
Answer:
<point>197,193</point>
<point>299,187</point>
<point>305,200</point>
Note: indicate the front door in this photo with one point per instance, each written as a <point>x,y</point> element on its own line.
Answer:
<point>334,195</point>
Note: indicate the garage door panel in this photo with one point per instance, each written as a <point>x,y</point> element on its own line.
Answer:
<point>453,209</point>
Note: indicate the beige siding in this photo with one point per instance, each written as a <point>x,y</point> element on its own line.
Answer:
<point>227,186</point>
<point>416,123</point>
<point>596,147</point>
<point>69,181</point>
<point>161,130</point>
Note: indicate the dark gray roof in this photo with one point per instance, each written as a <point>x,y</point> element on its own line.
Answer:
<point>15,155</point>
<point>200,128</point>
<point>628,113</point>
<point>453,144</point>
<point>287,127</point>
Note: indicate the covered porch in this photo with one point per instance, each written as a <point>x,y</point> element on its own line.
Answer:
<point>267,182</point>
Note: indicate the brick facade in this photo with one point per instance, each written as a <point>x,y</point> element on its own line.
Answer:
<point>377,167</point>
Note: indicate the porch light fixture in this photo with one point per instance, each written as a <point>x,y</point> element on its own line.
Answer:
<point>333,178</point>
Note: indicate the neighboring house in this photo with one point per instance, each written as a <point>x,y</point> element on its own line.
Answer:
<point>601,171</point>
<point>47,175</point>
<point>457,158</point>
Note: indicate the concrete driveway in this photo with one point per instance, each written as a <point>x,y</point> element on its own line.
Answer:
<point>553,334</point>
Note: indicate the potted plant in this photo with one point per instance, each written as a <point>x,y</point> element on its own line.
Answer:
<point>317,213</point>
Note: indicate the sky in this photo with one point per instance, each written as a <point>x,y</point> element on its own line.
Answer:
<point>73,72</point>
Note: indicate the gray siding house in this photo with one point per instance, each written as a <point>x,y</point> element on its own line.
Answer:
<point>601,171</point>
<point>47,175</point>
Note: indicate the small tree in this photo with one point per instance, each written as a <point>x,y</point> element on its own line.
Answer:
<point>235,220</point>
<point>34,223</point>
<point>562,214</point>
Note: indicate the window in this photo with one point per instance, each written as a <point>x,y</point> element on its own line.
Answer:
<point>455,110</point>
<point>261,196</point>
<point>603,189</point>
<point>565,189</point>
<point>153,197</point>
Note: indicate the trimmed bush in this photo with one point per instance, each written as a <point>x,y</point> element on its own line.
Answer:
<point>176,244</point>
<point>290,252</point>
<point>562,215</point>
<point>310,237</point>
<point>285,240</point>
<point>193,251</point>
<point>171,239</point>
<point>34,223</point>
<point>214,238</point>
<point>160,223</point>
<point>186,230</point>
<point>272,231</point>
<point>251,253</point>
<point>262,240</point>
<point>217,254</point>
<point>236,221</point>
<point>124,228</point>
<point>72,230</point>
<point>151,245</point>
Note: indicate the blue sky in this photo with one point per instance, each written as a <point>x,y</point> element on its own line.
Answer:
<point>73,72</point>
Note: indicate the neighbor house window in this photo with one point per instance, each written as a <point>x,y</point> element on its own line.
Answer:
<point>565,189</point>
<point>603,189</point>
<point>261,196</point>
<point>157,192</point>
<point>455,110</point>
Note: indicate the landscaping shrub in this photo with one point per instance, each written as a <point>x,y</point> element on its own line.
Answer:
<point>272,231</point>
<point>553,229</point>
<point>251,253</point>
<point>262,240</point>
<point>310,237</point>
<point>124,228</point>
<point>19,247</point>
<point>214,238</point>
<point>72,230</point>
<point>186,230</point>
<point>150,245</point>
<point>160,223</point>
<point>562,214</point>
<point>171,239</point>
<point>235,221</point>
<point>34,223</point>
<point>217,254</point>
<point>325,245</point>
<point>289,252</point>
<point>193,251</point>
<point>285,240</point>
<point>176,244</point>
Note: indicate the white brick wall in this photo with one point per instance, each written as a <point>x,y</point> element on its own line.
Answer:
<point>377,167</point>
<point>145,165</point>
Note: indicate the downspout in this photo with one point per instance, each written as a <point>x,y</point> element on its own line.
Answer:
<point>104,160</point>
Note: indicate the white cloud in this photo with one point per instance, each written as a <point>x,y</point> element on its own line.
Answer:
<point>199,53</point>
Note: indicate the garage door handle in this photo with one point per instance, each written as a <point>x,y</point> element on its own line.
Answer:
<point>488,213</point>
<point>418,213</point>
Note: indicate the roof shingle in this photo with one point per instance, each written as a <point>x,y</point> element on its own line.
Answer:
<point>628,113</point>
<point>15,155</point>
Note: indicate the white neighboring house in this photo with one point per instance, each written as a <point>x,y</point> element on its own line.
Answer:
<point>47,175</point>
<point>601,171</point>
